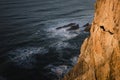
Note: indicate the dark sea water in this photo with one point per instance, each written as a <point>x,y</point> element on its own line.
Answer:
<point>30,46</point>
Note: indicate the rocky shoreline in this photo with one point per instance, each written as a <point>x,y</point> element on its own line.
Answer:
<point>100,53</point>
<point>75,26</point>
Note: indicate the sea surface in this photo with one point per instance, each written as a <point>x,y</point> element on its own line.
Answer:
<point>30,46</point>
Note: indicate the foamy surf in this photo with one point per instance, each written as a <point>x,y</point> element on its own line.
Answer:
<point>59,70</point>
<point>25,56</point>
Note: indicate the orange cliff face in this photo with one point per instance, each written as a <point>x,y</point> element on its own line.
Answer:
<point>100,52</point>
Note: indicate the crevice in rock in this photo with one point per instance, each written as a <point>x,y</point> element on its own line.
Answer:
<point>110,63</point>
<point>110,32</point>
<point>95,75</point>
<point>102,27</point>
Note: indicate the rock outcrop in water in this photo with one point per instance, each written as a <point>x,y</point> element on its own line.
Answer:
<point>87,27</point>
<point>71,26</point>
<point>100,52</point>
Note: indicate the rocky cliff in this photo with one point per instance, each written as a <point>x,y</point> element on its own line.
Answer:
<point>100,53</point>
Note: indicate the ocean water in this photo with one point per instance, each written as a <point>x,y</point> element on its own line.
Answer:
<point>30,46</point>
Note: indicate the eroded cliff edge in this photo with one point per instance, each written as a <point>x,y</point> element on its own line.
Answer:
<point>100,53</point>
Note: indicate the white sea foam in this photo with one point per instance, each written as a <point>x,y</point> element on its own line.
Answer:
<point>74,60</point>
<point>24,56</point>
<point>60,45</point>
<point>62,34</point>
<point>59,70</point>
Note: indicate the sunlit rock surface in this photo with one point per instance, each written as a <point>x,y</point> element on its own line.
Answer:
<point>100,53</point>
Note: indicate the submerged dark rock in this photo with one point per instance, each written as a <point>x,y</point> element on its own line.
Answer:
<point>74,27</point>
<point>87,27</point>
<point>71,26</point>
